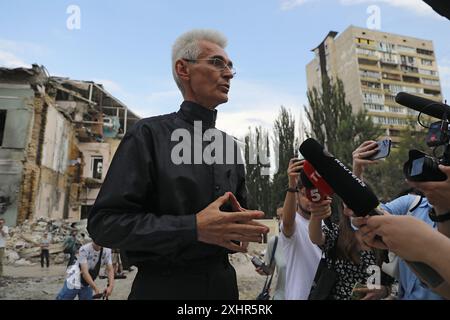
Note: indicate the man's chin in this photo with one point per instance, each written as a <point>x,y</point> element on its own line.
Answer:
<point>223,99</point>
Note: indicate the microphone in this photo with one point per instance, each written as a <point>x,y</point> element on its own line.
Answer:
<point>355,194</point>
<point>312,192</point>
<point>432,108</point>
<point>352,190</point>
<point>316,188</point>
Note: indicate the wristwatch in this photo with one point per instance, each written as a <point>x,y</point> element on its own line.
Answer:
<point>293,190</point>
<point>439,218</point>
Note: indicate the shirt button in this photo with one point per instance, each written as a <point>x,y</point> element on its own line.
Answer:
<point>217,188</point>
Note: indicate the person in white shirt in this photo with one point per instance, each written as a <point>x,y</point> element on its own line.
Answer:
<point>302,256</point>
<point>3,235</point>
<point>88,260</point>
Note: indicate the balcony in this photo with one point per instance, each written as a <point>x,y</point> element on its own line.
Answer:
<point>391,60</point>
<point>369,62</point>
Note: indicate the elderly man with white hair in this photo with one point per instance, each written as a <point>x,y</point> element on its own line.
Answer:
<point>174,195</point>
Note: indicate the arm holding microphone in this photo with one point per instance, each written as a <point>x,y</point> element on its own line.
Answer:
<point>413,240</point>
<point>319,212</point>
<point>355,194</point>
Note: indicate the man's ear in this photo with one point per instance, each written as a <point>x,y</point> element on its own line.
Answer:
<point>182,70</point>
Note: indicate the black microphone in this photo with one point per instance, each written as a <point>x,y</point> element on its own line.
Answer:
<point>352,190</point>
<point>429,107</point>
<point>355,194</point>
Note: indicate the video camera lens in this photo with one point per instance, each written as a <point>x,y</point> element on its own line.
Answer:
<point>421,167</point>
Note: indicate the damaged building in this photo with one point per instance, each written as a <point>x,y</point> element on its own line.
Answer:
<point>57,139</point>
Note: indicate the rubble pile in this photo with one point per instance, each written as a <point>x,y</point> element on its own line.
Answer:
<point>23,243</point>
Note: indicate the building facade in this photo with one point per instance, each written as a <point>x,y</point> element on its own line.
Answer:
<point>57,139</point>
<point>374,66</point>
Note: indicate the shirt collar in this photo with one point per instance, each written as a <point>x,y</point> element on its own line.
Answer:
<point>191,111</point>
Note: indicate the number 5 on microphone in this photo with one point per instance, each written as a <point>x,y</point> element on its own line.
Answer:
<point>314,195</point>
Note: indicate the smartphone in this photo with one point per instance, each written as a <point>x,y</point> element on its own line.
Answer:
<point>260,264</point>
<point>257,262</point>
<point>384,148</point>
<point>299,158</point>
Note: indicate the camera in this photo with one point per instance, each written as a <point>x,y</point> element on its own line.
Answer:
<point>420,166</point>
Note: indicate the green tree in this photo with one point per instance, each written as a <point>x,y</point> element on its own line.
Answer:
<point>258,182</point>
<point>284,143</point>
<point>334,124</point>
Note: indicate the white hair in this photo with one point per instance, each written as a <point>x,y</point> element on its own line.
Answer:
<point>187,47</point>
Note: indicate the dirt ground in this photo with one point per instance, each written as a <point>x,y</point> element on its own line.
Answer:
<point>36,283</point>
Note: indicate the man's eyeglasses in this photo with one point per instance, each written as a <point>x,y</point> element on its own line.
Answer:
<point>219,64</point>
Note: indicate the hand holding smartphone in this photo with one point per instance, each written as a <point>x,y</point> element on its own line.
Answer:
<point>258,263</point>
<point>384,149</point>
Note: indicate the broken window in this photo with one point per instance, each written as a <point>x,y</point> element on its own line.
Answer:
<point>97,167</point>
<point>2,124</point>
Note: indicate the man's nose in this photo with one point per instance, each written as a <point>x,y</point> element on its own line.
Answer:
<point>228,73</point>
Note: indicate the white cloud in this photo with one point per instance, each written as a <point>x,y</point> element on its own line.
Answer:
<point>12,53</point>
<point>110,85</point>
<point>291,4</point>
<point>255,104</point>
<point>10,60</point>
<point>250,104</point>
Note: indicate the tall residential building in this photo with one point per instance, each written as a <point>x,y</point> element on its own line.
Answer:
<point>374,66</point>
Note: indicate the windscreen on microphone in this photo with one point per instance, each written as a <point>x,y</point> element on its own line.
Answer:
<point>354,192</point>
<point>429,107</point>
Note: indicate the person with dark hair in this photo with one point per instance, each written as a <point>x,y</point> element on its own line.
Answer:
<point>71,247</point>
<point>302,256</point>
<point>45,254</point>
<point>90,260</point>
<point>345,254</point>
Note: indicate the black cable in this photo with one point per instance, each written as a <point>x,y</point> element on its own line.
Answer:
<point>418,117</point>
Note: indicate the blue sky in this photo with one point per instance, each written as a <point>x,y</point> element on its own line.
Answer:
<point>126,45</point>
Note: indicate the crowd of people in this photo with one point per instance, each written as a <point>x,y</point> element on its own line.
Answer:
<point>348,247</point>
<point>177,213</point>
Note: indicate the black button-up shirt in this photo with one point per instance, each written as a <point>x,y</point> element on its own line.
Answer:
<point>147,203</point>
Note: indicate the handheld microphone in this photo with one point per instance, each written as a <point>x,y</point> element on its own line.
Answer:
<point>313,193</point>
<point>432,108</point>
<point>355,194</point>
<point>316,188</point>
<point>352,190</point>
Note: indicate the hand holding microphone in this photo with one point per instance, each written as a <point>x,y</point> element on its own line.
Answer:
<point>355,194</point>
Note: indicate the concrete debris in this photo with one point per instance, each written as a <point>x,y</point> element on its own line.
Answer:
<point>23,262</point>
<point>23,243</point>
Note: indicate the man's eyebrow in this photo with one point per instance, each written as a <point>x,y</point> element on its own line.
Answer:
<point>230,63</point>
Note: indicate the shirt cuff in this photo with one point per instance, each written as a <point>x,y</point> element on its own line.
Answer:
<point>188,229</point>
